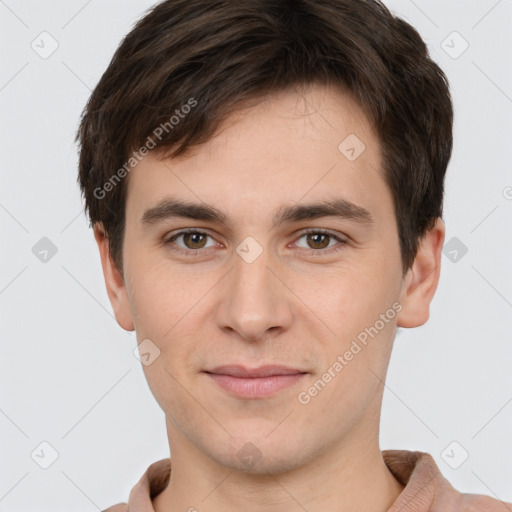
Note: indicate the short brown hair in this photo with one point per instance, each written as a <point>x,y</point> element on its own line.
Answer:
<point>221,54</point>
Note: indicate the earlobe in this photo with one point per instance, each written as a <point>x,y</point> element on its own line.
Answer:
<point>420,283</point>
<point>114,282</point>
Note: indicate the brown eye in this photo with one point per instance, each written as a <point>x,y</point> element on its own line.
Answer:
<point>194,240</point>
<point>318,240</point>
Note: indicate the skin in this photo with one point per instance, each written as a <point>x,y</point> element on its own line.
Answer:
<point>289,306</point>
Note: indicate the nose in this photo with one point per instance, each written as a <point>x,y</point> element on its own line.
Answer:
<point>254,302</point>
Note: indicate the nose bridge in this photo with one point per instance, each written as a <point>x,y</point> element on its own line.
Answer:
<point>253,301</point>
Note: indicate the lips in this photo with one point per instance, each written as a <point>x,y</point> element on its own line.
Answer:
<point>262,371</point>
<point>256,383</point>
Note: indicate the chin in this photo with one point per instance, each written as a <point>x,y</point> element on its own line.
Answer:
<point>258,454</point>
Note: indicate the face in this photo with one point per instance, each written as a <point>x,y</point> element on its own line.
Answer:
<point>257,277</point>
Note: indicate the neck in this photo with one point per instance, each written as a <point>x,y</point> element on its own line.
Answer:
<point>337,480</point>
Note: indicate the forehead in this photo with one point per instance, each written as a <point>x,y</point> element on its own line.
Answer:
<point>290,147</point>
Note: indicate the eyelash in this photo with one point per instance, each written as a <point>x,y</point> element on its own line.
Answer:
<point>314,252</point>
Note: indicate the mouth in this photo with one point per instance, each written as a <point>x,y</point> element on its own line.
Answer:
<point>242,382</point>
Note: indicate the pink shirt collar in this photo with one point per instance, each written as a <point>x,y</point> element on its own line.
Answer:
<point>426,490</point>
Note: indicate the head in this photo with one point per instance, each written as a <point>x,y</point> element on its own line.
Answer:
<point>253,122</point>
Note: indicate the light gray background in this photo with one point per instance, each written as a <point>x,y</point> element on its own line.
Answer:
<point>68,373</point>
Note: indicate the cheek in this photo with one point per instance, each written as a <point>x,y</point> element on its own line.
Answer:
<point>160,297</point>
<point>344,298</point>
<point>165,305</point>
<point>165,315</point>
<point>169,394</point>
<point>350,304</point>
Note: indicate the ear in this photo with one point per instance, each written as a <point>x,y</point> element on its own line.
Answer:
<point>421,280</point>
<point>114,282</point>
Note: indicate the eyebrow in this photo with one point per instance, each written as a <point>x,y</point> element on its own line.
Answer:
<point>341,208</point>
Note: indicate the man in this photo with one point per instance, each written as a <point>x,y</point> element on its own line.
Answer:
<point>265,183</point>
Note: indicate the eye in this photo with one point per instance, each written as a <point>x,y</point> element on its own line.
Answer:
<point>193,240</point>
<point>318,240</point>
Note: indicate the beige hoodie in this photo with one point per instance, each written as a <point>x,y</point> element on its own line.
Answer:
<point>426,490</point>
